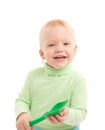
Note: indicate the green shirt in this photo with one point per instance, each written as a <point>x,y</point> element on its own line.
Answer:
<point>46,86</point>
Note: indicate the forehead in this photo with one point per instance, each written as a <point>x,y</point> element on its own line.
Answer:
<point>57,32</point>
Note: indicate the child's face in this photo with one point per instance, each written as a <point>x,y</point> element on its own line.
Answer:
<point>58,47</point>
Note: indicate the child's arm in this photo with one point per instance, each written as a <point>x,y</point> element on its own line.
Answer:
<point>76,112</point>
<point>22,103</point>
<point>22,107</point>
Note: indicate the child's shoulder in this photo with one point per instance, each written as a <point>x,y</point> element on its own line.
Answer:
<point>36,71</point>
<point>78,75</point>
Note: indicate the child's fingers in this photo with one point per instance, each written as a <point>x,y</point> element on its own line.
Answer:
<point>59,118</point>
<point>53,120</point>
<point>32,128</point>
<point>26,126</point>
<point>20,127</point>
<point>23,125</point>
<point>64,112</point>
<point>63,115</point>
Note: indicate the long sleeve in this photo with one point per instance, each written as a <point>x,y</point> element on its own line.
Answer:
<point>22,103</point>
<point>78,106</point>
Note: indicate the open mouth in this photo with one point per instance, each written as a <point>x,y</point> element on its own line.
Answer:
<point>60,57</point>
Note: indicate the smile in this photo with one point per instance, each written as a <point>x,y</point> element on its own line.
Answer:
<point>60,57</point>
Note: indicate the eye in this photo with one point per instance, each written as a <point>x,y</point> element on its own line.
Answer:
<point>51,44</point>
<point>67,43</point>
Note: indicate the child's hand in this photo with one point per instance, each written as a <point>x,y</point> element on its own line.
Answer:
<point>23,122</point>
<point>59,118</point>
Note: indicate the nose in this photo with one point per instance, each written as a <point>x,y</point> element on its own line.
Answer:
<point>59,48</point>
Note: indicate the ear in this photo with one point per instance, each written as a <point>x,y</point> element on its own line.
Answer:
<point>41,54</point>
<point>75,50</point>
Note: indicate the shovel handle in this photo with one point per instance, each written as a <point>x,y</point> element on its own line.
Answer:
<point>33,122</point>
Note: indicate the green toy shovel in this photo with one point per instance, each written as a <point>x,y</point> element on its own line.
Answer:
<point>56,109</point>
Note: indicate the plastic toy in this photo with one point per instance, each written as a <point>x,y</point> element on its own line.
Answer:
<point>56,109</point>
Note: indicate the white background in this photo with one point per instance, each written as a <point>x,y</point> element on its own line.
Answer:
<point>20,23</point>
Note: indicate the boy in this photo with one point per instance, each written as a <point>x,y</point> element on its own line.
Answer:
<point>53,83</point>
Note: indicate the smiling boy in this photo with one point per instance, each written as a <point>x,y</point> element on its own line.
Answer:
<point>55,82</point>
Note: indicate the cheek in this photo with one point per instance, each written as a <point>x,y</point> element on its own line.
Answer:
<point>71,54</point>
<point>48,53</point>
<point>72,51</point>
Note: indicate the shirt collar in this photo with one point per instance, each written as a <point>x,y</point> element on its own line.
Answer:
<point>50,71</point>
